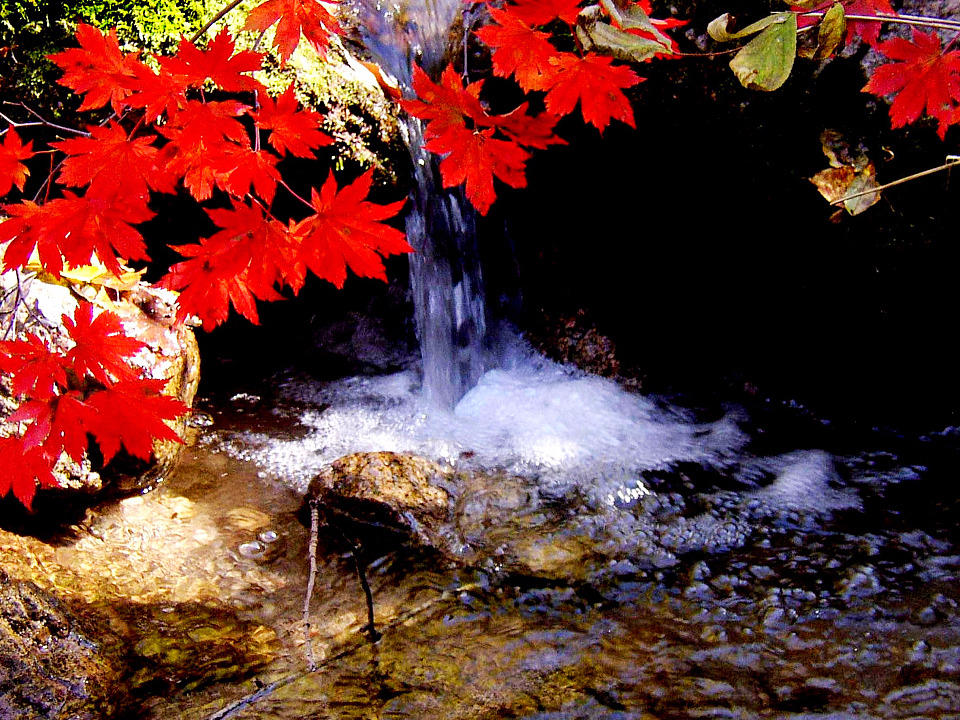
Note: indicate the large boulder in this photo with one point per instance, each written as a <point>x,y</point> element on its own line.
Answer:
<point>51,664</point>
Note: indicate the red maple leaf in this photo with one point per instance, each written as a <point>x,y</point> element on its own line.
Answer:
<point>924,77</point>
<point>199,138</point>
<point>12,171</point>
<point>869,31</point>
<point>476,157</point>
<point>101,345</point>
<point>519,50</point>
<point>97,69</point>
<point>239,168</point>
<point>132,413</point>
<point>292,130</point>
<point>541,12</point>
<point>211,278</point>
<point>75,229</point>
<point>218,62</point>
<point>347,230</point>
<point>308,17</point>
<point>23,468</point>
<point>271,249</point>
<point>59,425</point>
<point>35,370</point>
<point>447,104</point>
<point>113,164</point>
<point>459,126</point>
<point>162,93</point>
<point>596,83</point>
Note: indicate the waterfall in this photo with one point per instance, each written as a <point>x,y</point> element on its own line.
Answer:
<point>445,275</point>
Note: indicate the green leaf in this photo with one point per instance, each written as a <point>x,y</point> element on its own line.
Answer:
<point>765,62</point>
<point>719,30</point>
<point>833,28</point>
<point>595,34</point>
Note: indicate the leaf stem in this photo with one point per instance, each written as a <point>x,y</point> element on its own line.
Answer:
<point>952,161</point>
<point>917,20</point>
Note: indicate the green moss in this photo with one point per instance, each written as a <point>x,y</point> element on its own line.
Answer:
<point>31,30</point>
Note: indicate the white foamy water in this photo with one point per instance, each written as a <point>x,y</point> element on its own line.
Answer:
<point>533,418</point>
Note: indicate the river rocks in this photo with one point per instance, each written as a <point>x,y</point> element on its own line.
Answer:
<point>49,665</point>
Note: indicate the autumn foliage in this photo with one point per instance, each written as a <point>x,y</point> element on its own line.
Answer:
<point>167,132</point>
<point>198,121</point>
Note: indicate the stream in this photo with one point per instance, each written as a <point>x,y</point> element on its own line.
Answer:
<point>741,578</point>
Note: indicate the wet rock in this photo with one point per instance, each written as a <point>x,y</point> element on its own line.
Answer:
<point>49,665</point>
<point>932,698</point>
<point>575,339</point>
<point>385,492</point>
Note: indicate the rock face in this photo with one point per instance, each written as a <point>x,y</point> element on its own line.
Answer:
<point>49,668</point>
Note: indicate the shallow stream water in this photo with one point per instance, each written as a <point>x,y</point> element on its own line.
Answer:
<point>782,570</point>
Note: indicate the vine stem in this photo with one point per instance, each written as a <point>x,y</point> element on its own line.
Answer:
<point>952,161</point>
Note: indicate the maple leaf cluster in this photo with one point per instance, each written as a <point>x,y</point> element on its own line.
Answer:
<point>89,389</point>
<point>478,146</point>
<point>165,133</point>
<point>168,134</point>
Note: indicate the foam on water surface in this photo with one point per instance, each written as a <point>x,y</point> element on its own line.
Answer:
<point>534,418</point>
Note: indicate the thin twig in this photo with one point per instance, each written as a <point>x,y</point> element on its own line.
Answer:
<point>216,18</point>
<point>919,20</point>
<point>908,178</point>
<point>44,121</point>
<point>312,553</point>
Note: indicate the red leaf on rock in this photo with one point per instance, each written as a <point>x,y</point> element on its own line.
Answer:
<point>66,430</point>
<point>347,231</point>
<point>35,370</point>
<point>292,130</point>
<point>102,346</point>
<point>22,469</point>
<point>868,30</point>
<point>12,171</point>
<point>132,413</point>
<point>596,84</point>
<point>923,78</point>
<point>308,17</point>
